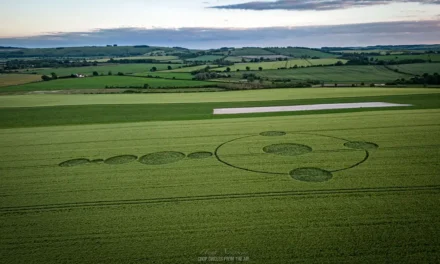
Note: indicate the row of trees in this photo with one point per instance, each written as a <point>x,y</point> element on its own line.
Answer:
<point>425,79</point>
<point>210,75</point>
<point>360,59</point>
<point>46,63</point>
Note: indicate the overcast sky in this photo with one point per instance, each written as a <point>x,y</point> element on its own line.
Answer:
<point>218,22</point>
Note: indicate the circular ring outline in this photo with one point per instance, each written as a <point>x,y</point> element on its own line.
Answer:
<point>367,155</point>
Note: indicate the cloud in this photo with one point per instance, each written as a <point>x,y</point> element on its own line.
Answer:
<point>316,4</point>
<point>383,33</point>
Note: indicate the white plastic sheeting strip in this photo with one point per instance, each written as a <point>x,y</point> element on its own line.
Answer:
<point>294,108</point>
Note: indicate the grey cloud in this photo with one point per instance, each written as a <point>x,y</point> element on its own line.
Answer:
<point>316,4</point>
<point>386,33</point>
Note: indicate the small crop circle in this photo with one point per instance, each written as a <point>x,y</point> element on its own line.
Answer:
<point>287,149</point>
<point>97,161</point>
<point>122,159</point>
<point>200,155</point>
<point>74,162</point>
<point>311,175</point>
<point>361,145</point>
<point>273,133</point>
<point>160,158</point>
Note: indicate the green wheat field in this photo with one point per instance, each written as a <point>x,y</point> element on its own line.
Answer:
<point>125,179</point>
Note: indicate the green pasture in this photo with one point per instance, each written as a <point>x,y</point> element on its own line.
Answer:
<point>333,74</point>
<point>193,191</point>
<point>101,82</point>
<point>207,58</point>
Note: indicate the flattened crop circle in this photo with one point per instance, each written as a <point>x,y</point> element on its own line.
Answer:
<point>160,158</point>
<point>361,145</point>
<point>273,133</point>
<point>200,155</point>
<point>74,162</point>
<point>287,149</point>
<point>311,175</point>
<point>123,159</point>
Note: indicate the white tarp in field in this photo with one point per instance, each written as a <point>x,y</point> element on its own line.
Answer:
<point>294,108</point>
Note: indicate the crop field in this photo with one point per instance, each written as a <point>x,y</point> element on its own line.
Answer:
<point>432,57</point>
<point>234,59</point>
<point>251,52</point>
<point>381,51</point>
<point>105,69</point>
<point>145,57</point>
<point>339,74</point>
<point>207,58</point>
<point>300,52</point>
<point>273,65</point>
<point>189,69</point>
<point>418,68</point>
<point>242,97</point>
<point>357,186</point>
<point>168,75</point>
<point>16,79</point>
<point>101,82</point>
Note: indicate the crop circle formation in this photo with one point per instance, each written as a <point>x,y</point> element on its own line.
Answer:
<point>305,168</point>
<point>311,175</point>
<point>287,149</point>
<point>122,159</point>
<point>160,158</point>
<point>311,172</point>
<point>361,145</point>
<point>273,133</point>
<point>74,162</point>
<point>200,155</point>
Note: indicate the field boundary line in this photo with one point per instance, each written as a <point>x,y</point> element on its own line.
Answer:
<point>395,189</point>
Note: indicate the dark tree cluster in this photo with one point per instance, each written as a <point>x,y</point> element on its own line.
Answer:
<point>210,75</point>
<point>127,61</point>
<point>425,79</point>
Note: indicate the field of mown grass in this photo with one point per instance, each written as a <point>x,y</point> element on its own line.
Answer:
<point>333,74</point>
<point>273,65</point>
<point>16,79</point>
<point>183,209</point>
<point>104,69</point>
<point>101,82</point>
